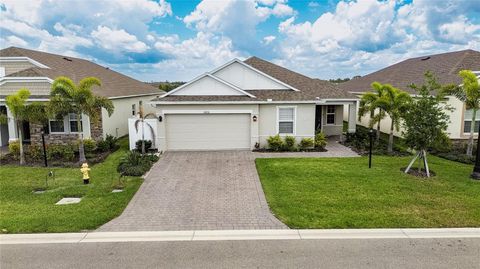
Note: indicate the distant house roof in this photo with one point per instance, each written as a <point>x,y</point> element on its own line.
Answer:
<point>114,84</point>
<point>444,66</point>
<point>309,89</point>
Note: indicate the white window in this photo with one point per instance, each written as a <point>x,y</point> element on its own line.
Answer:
<point>57,126</point>
<point>467,123</point>
<point>134,110</point>
<point>331,115</point>
<point>72,120</point>
<point>286,120</point>
<point>2,71</point>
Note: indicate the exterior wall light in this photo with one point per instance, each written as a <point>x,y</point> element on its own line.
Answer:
<point>254,118</point>
<point>160,118</point>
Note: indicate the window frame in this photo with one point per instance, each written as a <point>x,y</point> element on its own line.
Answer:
<point>50,126</point>
<point>330,113</point>
<point>294,120</point>
<point>134,109</point>
<point>69,122</point>
<point>469,119</point>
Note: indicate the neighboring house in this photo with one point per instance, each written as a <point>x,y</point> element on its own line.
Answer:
<point>444,66</point>
<point>241,103</point>
<point>35,71</point>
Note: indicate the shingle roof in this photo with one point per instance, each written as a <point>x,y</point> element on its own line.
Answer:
<point>114,84</point>
<point>309,89</point>
<point>445,67</point>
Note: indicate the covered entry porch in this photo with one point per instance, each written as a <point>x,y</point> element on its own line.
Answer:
<point>329,117</point>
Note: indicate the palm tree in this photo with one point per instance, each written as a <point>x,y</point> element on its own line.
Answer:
<point>141,119</point>
<point>66,97</point>
<point>34,112</point>
<point>394,102</point>
<point>469,93</point>
<point>369,104</point>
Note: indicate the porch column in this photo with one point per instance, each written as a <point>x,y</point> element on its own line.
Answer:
<point>352,117</point>
<point>12,131</point>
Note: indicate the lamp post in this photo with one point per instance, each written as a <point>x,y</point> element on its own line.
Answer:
<point>476,168</point>
<point>44,149</point>
<point>370,134</point>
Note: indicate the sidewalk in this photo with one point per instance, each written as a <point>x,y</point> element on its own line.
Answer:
<point>225,235</point>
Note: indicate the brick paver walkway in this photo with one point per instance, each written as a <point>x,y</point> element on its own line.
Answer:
<point>205,191</point>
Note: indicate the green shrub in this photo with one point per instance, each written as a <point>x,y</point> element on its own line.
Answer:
<point>306,143</point>
<point>134,164</point>
<point>89,145</point>
<point>320,140</point>
<point>60,152</point>
<point>275,142</point>
<point>34,152</point>
<point>148,145</point>
<point>14,149</point>
<point>103,146</point>
<point>289,144</point>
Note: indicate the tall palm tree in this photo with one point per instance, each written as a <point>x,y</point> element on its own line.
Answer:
<point>369,104</point>
<point>66,97</point>
<point>394,102</point>
<point>21,111</point>
<point>469,93</point>
<point>141,120</point>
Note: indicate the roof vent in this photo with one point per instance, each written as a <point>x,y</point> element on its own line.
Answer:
<point>67,59</point>
<point>425,58</point>
<point>317,98</point>
<point>269,100</point>
<point>106,67</point>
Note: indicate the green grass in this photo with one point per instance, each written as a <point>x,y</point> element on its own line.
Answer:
<point>21,211</point>
<point>344,193</point>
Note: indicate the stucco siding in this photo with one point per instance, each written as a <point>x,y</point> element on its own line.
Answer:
<point>455,126</point>
<point>35,88</point>
<point>12,67</point>
<point>304,121</point>
<point>117,123</point>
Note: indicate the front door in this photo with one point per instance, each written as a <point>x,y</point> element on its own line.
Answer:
<point>318,118</point>
<point>26,131</point>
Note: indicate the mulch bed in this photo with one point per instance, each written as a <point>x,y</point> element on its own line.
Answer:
<point>418,173</point>
<point>92,159</point>
<point>264,150</point>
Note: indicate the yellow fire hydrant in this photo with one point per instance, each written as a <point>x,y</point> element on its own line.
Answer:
<point>85,170</point>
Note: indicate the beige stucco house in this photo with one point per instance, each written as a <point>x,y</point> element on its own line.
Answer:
<point>35,70</point>
<point>241,103</point>
<point>444,66</point>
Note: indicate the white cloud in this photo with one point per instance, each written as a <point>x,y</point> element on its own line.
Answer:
<point>268,39</point>
<point>191,57</point>
<point>118,40</point>
<point>235,19</point>
<point>14,41</point>
<point>313,4</point>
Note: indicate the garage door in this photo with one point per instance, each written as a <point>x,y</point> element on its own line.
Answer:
<point>207,131</point>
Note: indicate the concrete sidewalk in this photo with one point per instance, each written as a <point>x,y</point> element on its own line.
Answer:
<point>228,235</point>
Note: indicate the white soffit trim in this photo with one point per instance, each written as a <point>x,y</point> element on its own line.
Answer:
<point>213,77</point>
<point>4,80</point>
<point>23,59</point>
<point>255,70</point>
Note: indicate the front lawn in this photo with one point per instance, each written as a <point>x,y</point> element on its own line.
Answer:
<point>344,193</point>
<point>22,211</point>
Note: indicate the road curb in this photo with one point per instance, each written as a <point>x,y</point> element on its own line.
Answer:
<point>224,235</point>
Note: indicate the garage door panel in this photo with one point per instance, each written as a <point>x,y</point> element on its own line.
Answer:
<point>207,131</point>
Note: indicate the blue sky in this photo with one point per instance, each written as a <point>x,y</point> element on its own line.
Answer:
<point>178,40</point>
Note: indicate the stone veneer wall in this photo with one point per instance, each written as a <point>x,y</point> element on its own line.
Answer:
<point>96,133</point>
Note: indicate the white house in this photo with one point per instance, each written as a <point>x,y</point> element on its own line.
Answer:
<point>241,103</point>
<point>35,71</point>
<point>445,67</point>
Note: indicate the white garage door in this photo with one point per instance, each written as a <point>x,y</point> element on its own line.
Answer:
<point>207,131</point>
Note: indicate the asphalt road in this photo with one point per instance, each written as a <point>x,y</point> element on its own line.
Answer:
<point>342,253</point>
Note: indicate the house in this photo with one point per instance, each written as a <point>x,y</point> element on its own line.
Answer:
<point>35,70</point>
<point>241,103</point>
<point>444,66</point>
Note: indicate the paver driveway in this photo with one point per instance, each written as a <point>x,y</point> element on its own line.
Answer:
<point>199,191</point>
